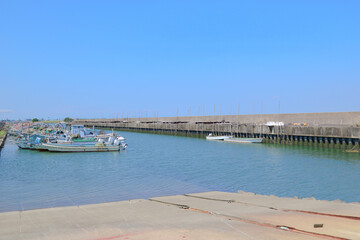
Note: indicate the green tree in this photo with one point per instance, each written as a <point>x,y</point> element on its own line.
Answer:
<point>35,120</point>
<point>67,119</point>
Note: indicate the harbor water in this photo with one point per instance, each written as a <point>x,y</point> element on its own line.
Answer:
<point>158,165</point>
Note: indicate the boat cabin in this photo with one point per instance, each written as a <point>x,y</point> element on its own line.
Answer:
<point>81,131</point>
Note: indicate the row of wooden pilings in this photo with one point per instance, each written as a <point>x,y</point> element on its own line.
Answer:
<point>329,142</point>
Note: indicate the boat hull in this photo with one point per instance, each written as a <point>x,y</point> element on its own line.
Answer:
<point>79,148</point>
<point>26,145</point>
<point>244,140</point>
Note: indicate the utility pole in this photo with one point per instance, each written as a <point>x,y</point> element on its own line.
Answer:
<point>279,127</point>
<point>253,124</point>
<point>279,106</point>
<point>261,124</point>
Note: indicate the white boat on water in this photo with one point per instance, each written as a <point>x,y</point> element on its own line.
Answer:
<point>232,139</point>
<point>244,140</point>
<point>98,147</point>
<point>219,138</point>
<point>113,144</point>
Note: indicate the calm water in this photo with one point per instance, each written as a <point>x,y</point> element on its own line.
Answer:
<point>157,165</point>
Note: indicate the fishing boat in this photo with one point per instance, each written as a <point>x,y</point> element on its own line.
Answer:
<point>101,146</point>
<point>219,138</point>
<point>78,139</point>
<point>244,140</point>
<point>25,145</point>
<point>29,141</point>
<point>98,147</point>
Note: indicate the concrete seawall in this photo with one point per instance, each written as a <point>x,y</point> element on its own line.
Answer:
<point>2,141</point>
<point>336,130</point>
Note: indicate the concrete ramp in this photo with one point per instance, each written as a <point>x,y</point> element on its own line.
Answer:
<point>262,213</point>
<point>195,217</point>
<point>340,209</point>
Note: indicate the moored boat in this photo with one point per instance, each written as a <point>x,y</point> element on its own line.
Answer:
<point>219,138</point>
<point>80,139</point>
<point>29,141</point>
<point>98,147</point>
<point>25,145</point>
<point>113,144</point>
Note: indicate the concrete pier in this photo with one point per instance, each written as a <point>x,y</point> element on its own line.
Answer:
<point>210,215</point>
<point>335,130</point>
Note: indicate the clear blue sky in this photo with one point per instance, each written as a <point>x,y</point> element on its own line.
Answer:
<point>104,58</point>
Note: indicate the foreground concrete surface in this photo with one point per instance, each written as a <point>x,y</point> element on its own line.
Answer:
<point>211,215</point>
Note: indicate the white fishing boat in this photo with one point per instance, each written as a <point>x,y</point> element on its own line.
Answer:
<point>98,147</point>
<point>219,138</point>
<point>244,140</point>
<point>113,144</point>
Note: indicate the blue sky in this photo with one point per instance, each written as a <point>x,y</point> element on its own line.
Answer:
<point>111,58</point>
